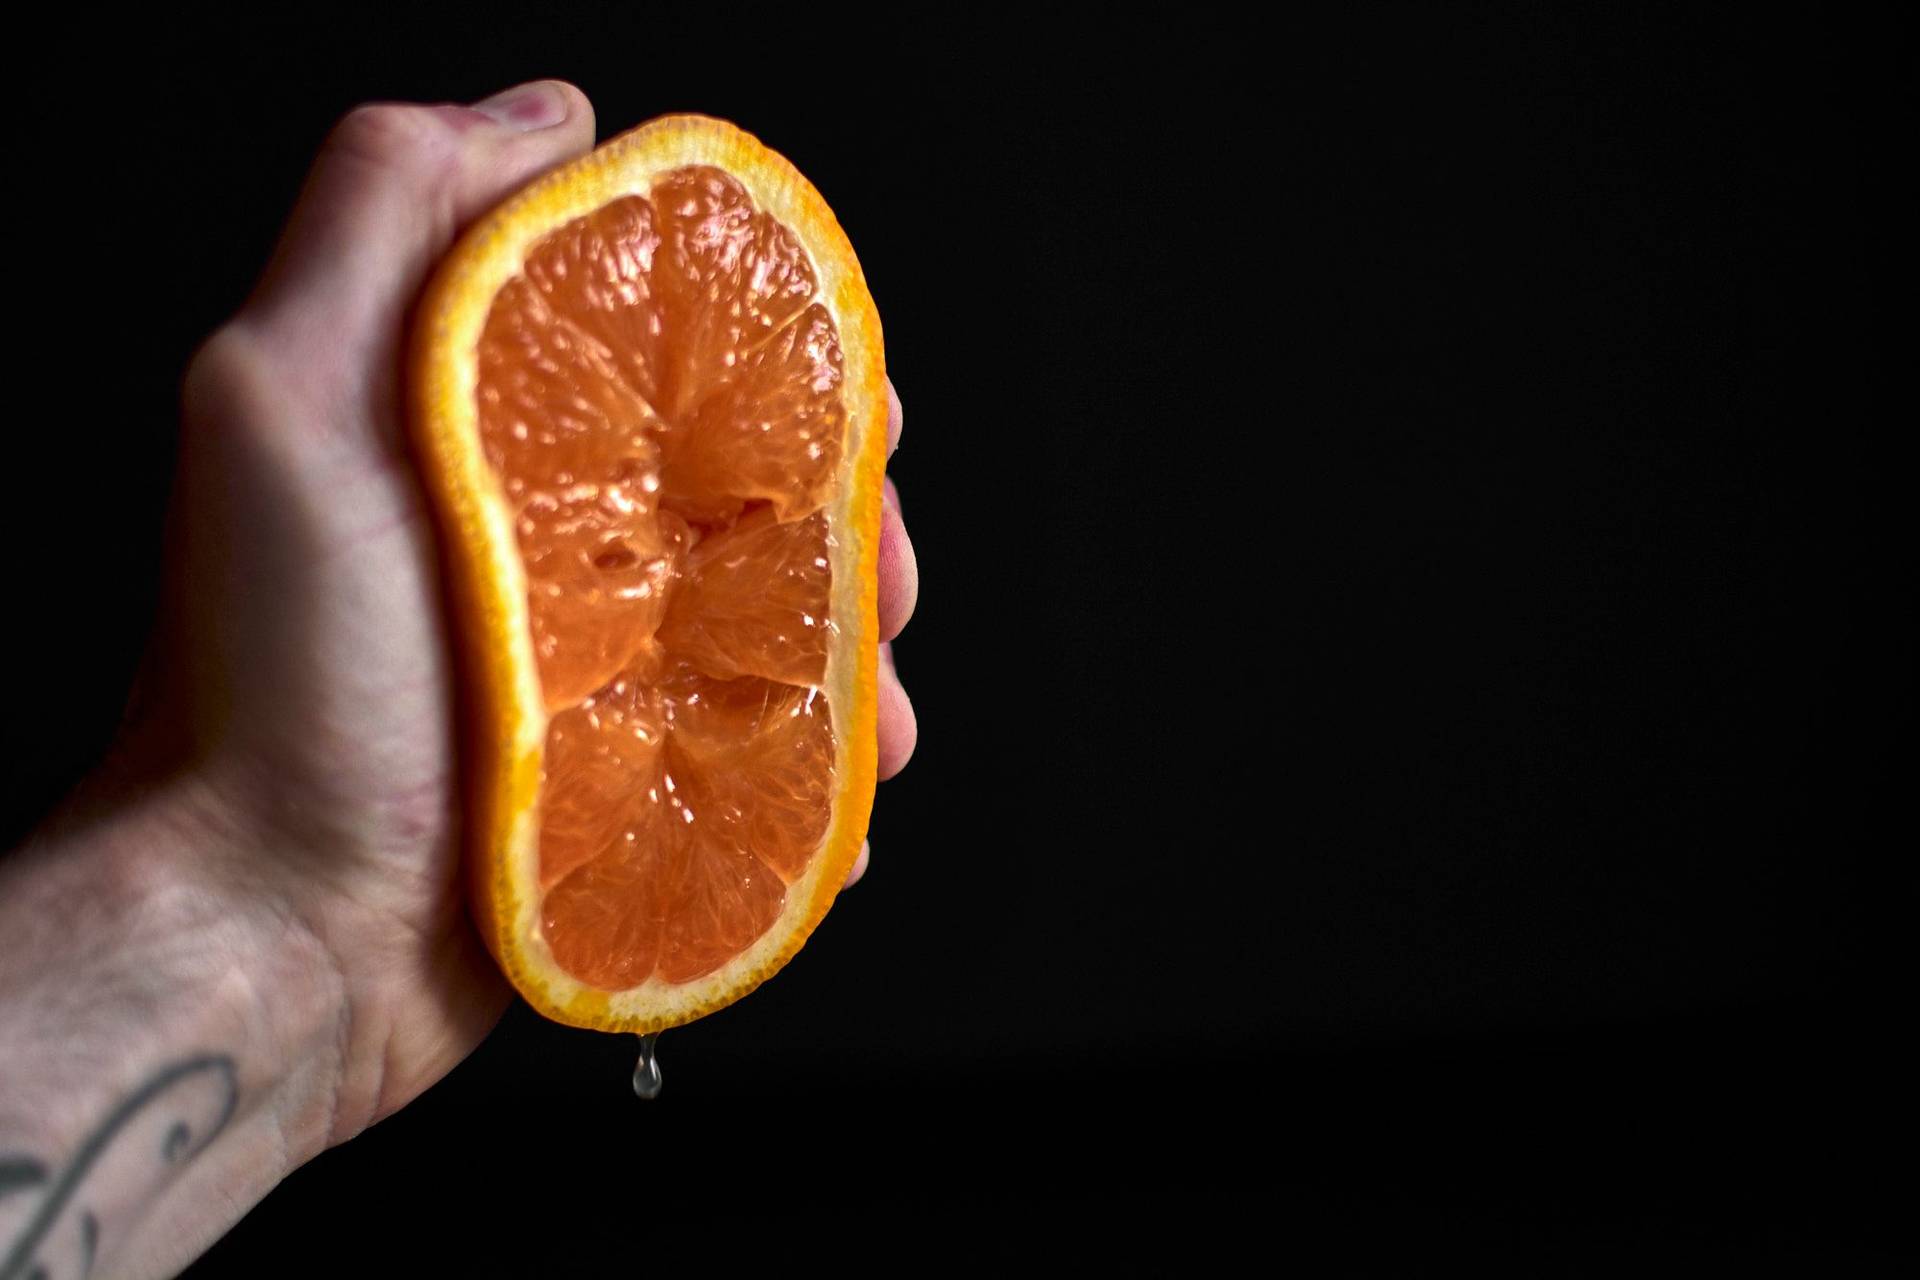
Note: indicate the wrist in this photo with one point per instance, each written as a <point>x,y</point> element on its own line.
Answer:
<point>171,1032</point>
<point>142,934</point>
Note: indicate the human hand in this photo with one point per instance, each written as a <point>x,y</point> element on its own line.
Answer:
<point>320,690</point>
<point>303,701</point>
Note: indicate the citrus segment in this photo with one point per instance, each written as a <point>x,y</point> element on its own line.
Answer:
<point>757,760</point>
<point>598,272</point>
<point>754,601</point>
<point>602,923</point>
<point>731,276</point>
<point>604,757</point>
<point>768,428</point>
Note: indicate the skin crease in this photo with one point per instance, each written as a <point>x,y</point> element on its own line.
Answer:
<point>299,699</point>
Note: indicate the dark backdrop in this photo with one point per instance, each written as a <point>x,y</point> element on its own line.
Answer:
<point>1402,522</point>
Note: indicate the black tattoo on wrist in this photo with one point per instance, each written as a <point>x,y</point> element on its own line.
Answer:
<point>199,1094</point>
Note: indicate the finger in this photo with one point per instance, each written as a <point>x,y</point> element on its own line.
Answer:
<point>899,729</point>
<point>859,865</point>
<point>899,570</point>
<point>391,188</point>
<point>896,418</point>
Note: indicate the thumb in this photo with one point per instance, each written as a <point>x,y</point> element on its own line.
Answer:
<point>391,188</point>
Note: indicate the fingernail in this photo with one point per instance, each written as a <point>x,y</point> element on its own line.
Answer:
<point>526,107</point>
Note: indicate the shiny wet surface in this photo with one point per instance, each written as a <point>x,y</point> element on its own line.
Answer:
<point>659,392</point>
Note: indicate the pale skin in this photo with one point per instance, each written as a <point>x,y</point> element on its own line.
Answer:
<point>244,940</point>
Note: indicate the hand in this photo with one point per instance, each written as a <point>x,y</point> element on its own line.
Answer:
<point>302,699</point>
<point>321,690</point>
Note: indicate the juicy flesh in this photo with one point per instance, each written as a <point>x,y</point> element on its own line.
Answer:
<point>660,394</point>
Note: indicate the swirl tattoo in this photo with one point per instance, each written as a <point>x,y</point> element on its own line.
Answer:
<point>204,1089</point>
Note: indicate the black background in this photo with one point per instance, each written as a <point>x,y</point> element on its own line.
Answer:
<point>1406,624</point>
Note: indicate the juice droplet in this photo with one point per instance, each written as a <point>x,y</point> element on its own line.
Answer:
<point>646,1073</point>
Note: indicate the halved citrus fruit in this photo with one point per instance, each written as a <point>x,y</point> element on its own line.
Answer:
<point>648,394</point>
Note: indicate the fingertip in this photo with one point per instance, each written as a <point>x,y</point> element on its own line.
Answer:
<point>525,108</point>
<point>896,418</point>
<point>859,865</point>
<point>582,105</point>
<point>899,726</point>
<point>899,569</point>
<point>579,114</point>
<point>532,127</point>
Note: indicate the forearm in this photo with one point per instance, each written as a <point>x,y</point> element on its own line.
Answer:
<point>170,1042</point>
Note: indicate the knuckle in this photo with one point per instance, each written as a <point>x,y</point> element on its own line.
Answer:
<point>217,362</point>
<point>220,373</point>
<point>386,134</point>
